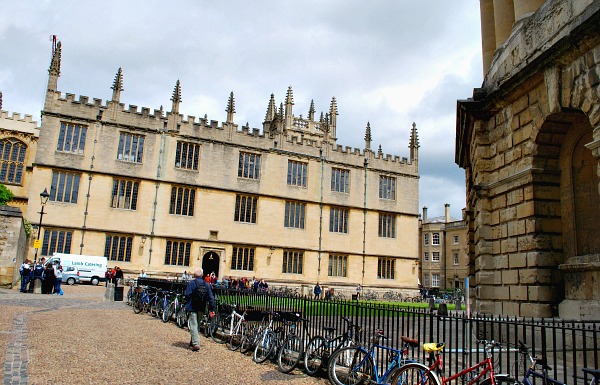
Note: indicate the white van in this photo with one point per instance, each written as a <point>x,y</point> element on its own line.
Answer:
<point>91,268</point>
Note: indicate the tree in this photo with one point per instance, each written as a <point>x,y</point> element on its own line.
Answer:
<point>5,195</point>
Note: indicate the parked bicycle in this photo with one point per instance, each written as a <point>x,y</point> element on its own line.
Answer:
<point>357,364</point>
<point>292,347</point>
<point>415,373</point>
<point>320,348</point>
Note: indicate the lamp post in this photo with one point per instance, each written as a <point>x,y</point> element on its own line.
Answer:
<point>43,200</point>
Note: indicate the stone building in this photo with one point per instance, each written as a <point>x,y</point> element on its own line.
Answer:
<point>529,141</point>
<point>18,143</point>
<point>167,193</point>
<point>443,250</point>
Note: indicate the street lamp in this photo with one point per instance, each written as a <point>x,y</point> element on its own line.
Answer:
<point>43,200</point>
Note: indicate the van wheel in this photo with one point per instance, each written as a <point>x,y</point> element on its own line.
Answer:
<point>95,281</point>
<point>70,281</point>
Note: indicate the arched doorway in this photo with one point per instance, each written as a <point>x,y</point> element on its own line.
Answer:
<point>210,263</point>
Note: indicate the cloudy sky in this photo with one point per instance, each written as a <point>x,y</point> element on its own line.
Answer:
<point>390,63</point>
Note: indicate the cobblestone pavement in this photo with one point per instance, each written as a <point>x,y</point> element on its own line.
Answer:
<point>80,338</point>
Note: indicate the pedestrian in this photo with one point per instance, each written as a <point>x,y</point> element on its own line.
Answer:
<point>107,277</point>
<point>358,291</point>
<point>327,294</point>
<point>196,306</point>
<point>184,276</point>
<point>48,279</point>
<point>113,274</point>
<point>255,283</point>
<point>25,271</point>
<point>143,274</point>
<point>317,290</point>
<point>118,276</point>
<point>263,286</point>
<point>58,272</point>
<point>38,273</point>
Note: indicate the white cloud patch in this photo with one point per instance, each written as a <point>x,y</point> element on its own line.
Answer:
<point>387,63</point>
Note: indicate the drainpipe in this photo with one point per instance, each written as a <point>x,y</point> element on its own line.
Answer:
<point>364,250</point>
<point>87,196</point>
<point>321,212</point>
<point>156,186</point>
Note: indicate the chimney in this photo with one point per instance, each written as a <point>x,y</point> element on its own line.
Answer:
<point>424,213</point>
<point>447,212</point>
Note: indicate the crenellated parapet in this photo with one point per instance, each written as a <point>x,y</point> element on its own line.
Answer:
<point>18,123</point>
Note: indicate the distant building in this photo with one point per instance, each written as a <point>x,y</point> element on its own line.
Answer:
<point>444,251</point>
<point>529,141</point>
<point>18,144</point>
<point>164,192</point>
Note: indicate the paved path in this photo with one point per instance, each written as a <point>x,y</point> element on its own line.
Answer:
<point>79,338</point>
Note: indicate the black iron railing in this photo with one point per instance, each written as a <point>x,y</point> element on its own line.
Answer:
<point>567,345</point>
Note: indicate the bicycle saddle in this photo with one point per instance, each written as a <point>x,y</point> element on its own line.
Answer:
<point>593,372</point>
<point>433,347</point>
<point>329,329</point>
<point>542,361</point>
<point>411,341</point>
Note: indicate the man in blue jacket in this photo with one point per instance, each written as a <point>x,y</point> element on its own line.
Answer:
<point>196,305</point>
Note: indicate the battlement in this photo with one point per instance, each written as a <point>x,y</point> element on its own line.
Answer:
<point>304,133</point>
<point>16,116</point>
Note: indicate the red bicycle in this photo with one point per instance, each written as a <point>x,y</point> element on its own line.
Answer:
<point>415,373</point>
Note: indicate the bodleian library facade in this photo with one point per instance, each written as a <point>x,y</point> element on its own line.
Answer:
<point>168,193</point>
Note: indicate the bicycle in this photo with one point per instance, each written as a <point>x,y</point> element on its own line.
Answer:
<point>292,347</point>
<point>230,329</point>
<point>268,339</point>
<point>143,300</point>
<point>415,373</point>
<point>320,348</point>
<point>173,306</point>
<point>159,302</point>
<point>595,373</point>
<point>356,364</point>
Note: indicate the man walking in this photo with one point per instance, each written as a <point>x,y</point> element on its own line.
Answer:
<point>25,271</point>
<point>197,294</point>
<point>317,291</point>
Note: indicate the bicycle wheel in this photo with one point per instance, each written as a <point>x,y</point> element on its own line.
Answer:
<point>264,348</point>
<point>181,317</point>
<point>237,336</point>
<point>220,330</point>
<point>351,366</point>
<point>138,305</point>
<point>250,338</point>
<point>168,312</point>
<point>313,355</point>
<point>413,374</point>
<point>290,353</point>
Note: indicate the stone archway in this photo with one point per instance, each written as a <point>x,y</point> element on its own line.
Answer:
<point>210,263</point>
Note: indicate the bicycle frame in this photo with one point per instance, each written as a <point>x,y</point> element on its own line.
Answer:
<point>397,362</point>
<point>531,372</point>
<point>486,363</point>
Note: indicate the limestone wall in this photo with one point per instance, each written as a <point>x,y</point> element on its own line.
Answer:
<point>13,244</point>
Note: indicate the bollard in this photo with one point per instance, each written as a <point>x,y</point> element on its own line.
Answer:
<point>431,304</point>
<point>109,293</point>
<point>443,310</point>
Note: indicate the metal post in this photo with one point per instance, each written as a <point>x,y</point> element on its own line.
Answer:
<point>43,199</point>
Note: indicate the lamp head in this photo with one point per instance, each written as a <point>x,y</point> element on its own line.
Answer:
<point>44,196</point>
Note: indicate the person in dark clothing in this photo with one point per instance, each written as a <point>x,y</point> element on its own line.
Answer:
<point>37,274</point>
<point>48,280</point>
<point>196,309</point>
<point>118,276</point>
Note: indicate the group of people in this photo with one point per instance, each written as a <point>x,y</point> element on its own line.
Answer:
<point>47,275</point>
<point>329,293</point>
<point>114,275</point>
<point>254,284</point>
